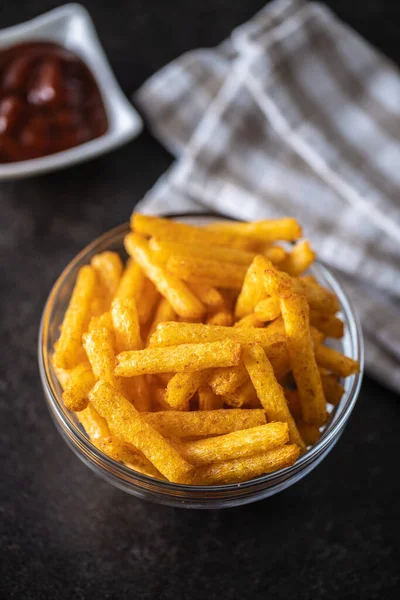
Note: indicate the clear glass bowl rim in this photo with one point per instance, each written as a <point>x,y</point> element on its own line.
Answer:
<point>129,478</point>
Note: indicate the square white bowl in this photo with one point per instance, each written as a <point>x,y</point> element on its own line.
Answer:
<point>71,26</point>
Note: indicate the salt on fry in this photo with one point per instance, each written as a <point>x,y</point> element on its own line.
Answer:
<point>183,424</point>
<point>124,419</point>
<point>76,392</point>
<point>186,357</point>
<point>243,469</point>
<point>269,392</point>
<point>67,350</point>
<point>182,387</point>
<point>183,301</point>
<point>336,362</point>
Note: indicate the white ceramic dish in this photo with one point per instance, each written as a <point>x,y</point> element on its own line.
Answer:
<point>71,27</point>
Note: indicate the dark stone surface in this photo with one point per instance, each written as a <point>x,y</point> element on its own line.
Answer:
<point>64,533</point>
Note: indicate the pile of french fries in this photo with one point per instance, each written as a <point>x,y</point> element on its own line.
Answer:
<point>202,361</point>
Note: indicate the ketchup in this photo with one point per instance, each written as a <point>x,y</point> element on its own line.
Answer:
<point>49,101</point>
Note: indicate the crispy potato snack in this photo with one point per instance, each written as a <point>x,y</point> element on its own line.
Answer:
<point>175,362</point>
<point>242,469</point>
<point>67,351</point>
<point>123,418</point>
<point>269,392</point>
<point>182,300</point>
<point>237,444</point>
<point>181,424</point>
<point>185,357</point>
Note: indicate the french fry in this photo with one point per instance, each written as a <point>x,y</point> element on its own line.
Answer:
<point>237,444</point>
<point>318,297</point>
<point>243,469</point>
<point>245,395</point>
<point>293,402</point>
<point>99,345</point>
<point>76,392</point>
<point>301,354</point>
<point>131,283</point>
<point>226,380</point>
<point>126,325</point>
<point>276,254</point>
<point>182,300</point>
<point>201,422</point>
<point>163,249</point>
<point>108,267</point>
<point>182,387</point>
<point>208,400</point>
<point>68,349</point>
<point>336,362</point>
<point>100,321</point>
<point>95,426</point>
<point>330,325</point>
<point>333,389</point>
<point>309,433</point>
<point>253,289</point>
<point>170,334</point>
<point>209,271</point>
<point>272,230</point>
<point>178,232</point>
<point>268,390</point>
<point>268,309</point>
<point>147,301</point>
<point>208,295</point>
<point>250,320</point>
<point>222,316</point>
<point>186,357</point>
<point>127,422</point>
<point>299,259</point>
<point>164,312</point>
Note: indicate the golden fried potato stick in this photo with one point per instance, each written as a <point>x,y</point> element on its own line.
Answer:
<point>269,392</point>
<point>131,283</point>
<point>182,300</point>
<point>276,254</point>
<point>97,429</point>
<point>124,420</point>
<point>253,290</point>
<point>243,469</point>
<point>171,334</point>
<point>100,350</point>
<point>336,362</point>
<point>76,392</point>
<point>226,380</point>
<point>108,267</point>
<point>100,321</point>
<point>309,433</point>
<point>147,301</point>
<point>250,320</point>
<point>223,316</point>
<point>293,402</point>
<point>164,312</point>
<point>318,297</point>
<point>270,230</point>
<point>178,232</point>
<point>68,349</point>
<point>186,357</point>
<point>268,309</point>
<point>163,249</point>
<point>299,259</point>
<point>245,395</point>
<point>208,400</point>
<point>126,324</point>
<point>330,325</point>
<point>333,389</point>
<point>201,422</point>
<point>233,445</point>
<point>214,273</point>
<point>208,295</point>
<point>183,386</point>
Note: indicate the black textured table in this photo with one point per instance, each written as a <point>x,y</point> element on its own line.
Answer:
<point>64,533</point>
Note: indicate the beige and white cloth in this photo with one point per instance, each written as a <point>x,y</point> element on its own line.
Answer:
<point>294,114</point>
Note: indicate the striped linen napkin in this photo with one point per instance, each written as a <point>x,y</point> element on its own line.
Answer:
<point>294,114</point>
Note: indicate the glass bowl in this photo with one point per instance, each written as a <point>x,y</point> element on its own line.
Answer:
<point>164,492</point>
